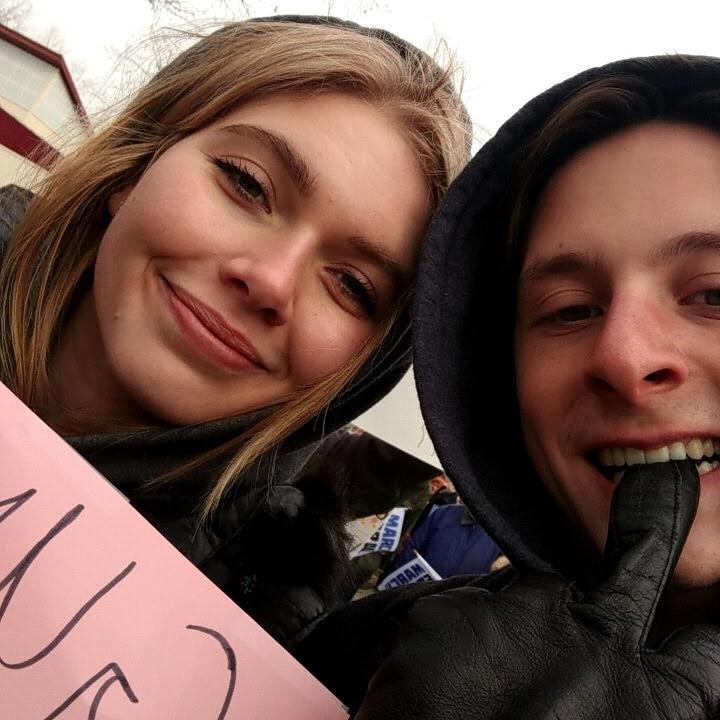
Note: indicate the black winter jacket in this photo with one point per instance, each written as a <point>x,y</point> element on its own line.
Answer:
<point>464,368</point>
<point>277,545</point>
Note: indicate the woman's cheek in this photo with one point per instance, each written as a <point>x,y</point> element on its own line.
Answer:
<point>322,345</point>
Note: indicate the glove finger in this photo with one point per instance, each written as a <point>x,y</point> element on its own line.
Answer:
<point>652,510</point>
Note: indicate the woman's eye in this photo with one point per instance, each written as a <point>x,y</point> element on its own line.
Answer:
<point>243,182</point>
<point>709,297</point>
<point>359,290</point>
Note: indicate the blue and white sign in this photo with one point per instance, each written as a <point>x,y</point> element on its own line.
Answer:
<point>417,570</point>
<point>387,535</point>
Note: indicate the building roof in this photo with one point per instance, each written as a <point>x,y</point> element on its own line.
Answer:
<point>49,56</point>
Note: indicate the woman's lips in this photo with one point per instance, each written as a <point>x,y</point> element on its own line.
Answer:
<point>208,334</point>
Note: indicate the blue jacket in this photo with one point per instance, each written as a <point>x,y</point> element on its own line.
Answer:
<point>451,542</point>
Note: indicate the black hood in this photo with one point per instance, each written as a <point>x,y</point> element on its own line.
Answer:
<point>463,320</point>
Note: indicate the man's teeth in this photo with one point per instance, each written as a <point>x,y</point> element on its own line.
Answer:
<point>695,449</point>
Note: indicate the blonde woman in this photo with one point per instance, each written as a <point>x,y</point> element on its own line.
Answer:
<point>218,278</point>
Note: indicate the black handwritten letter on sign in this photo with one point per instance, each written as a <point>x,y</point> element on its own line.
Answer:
<point>100,617</point>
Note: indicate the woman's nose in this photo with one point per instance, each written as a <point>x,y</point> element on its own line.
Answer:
<point>635,356</point>
<point>268,278</point>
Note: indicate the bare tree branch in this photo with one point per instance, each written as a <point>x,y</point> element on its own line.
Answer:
<point>13,13</point>
<point>190,10</point>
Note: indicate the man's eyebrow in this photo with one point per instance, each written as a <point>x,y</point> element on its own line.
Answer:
<point>572,263</point>
<point>569,263</point>
<point>687,243</point>
<point>375,254</point>
<point>292,160</point>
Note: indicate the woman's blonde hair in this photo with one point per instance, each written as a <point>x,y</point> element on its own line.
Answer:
<point>48,263</point>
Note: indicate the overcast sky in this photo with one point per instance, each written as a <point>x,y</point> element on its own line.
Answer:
<point>510,50</point>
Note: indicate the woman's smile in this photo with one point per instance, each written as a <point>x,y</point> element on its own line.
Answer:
<point>209,334</point>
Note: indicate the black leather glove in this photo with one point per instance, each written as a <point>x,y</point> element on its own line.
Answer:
<point>540,649</point>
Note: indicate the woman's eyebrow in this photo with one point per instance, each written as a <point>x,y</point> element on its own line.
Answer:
<point>290,158</point>
<point>376,255</point>
<point>299,171</point>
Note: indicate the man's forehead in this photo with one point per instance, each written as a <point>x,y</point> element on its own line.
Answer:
<point>647,194</point>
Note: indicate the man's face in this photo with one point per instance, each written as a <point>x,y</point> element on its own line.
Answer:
<point>440,482</point>
<point>618,327</point>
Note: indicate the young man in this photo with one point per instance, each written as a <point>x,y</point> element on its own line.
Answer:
<point>572,278</point>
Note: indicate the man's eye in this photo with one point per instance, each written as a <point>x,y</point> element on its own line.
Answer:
<point>359,290</point>
<point>710,297</point>
<point>577,313</point>
<point>243,182</point>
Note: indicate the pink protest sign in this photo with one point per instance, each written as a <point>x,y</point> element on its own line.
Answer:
<point>100,617</point>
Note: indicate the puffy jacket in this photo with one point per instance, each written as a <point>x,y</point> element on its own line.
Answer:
<point>451,542</point>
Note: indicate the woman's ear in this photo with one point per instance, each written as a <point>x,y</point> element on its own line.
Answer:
<point>117,199</point>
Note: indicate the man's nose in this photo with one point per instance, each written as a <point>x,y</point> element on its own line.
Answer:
<point>635,356</point>
<point>268,275</point>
